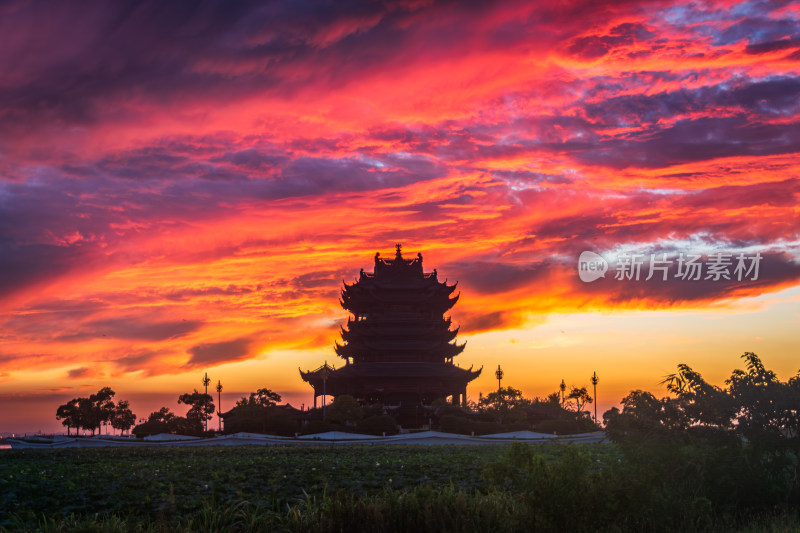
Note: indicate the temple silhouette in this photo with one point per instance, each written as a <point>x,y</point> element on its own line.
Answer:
<point>398,347</point>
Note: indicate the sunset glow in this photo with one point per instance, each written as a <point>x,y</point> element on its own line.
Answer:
<point>184,189</point>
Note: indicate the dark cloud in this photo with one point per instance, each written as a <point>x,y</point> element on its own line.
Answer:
<point>182,52</point>
<point>593,46</point>
<point>471,323</point>
<point>253,159</point>
<point>494,277</point>
<point>142,360</point>
<point>689,141</point>
<point>324,279</point>
<point>133,328</point>
<point>31,265</point>
<point>777,193</point>
<point>769,97</point>
<point>772,46</point>
<point>214,353</point>
<point>758,30</point>
<point>76,373</point>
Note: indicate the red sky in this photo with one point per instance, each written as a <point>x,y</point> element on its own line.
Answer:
<point>183,189</point>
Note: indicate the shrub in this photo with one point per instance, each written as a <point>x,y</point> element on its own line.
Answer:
<point>377,425</point>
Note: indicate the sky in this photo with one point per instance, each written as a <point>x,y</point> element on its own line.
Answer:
<point>185,185</point>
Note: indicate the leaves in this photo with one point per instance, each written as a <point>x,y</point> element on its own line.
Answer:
<point>149,480</point>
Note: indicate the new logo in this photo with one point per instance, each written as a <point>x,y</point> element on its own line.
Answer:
<point>591,266</point>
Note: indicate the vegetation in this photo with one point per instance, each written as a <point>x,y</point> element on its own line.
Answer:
<point>201,407</point>
<point>705,458</point>
<point>508,410</point>
<point>92,413</point>
<point>178,482</point>
<point>385,488</point>
<point>755,408</point>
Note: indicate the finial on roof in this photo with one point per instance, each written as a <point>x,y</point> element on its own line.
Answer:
<point>399,247</point>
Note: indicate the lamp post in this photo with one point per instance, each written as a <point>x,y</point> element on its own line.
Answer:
<point>499,375</point>
<point>595,379</point>
<point>206,381</point>
<point>563,388</point>
<point>219,404</point>
<point>324,374</point>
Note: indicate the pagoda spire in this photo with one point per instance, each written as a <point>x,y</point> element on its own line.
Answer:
<point>399,254</point>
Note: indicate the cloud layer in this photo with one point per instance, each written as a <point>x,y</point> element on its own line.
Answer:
<point>184,186</point>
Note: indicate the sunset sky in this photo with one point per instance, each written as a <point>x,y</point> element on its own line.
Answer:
<point>184,186</point>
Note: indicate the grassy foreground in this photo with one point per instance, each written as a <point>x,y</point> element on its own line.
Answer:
<point>397,488</point>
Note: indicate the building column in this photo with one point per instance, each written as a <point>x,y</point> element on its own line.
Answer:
<point>464,398</point>
<point>315,399</point>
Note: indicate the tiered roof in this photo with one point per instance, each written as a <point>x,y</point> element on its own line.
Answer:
<point>398,343</point>
<point>398,314</point>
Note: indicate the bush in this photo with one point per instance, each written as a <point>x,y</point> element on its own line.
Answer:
<point>377,425</point>
<point>467,426</point>
<point>260,419</point>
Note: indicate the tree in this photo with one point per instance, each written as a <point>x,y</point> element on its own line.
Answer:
<point>89,415</point>
<point>704,404</point>
<point>505,397</point>
<point>345,410</point>
<point>160,421</point>
<point>645,417</point>
<point>580,396</point>
<point>103,406</point>
<point>163,415</point>
<point>201,406</point>
<point>767,411</point>
<point>122,418</point>
<point>69,414</point>
<point>755,405</point>
<point>165,421</point>
<point>263,397</point>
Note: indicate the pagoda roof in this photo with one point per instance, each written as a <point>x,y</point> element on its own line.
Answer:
<point>413,369</point>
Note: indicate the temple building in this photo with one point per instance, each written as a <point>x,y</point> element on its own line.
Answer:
<point>398,347</point>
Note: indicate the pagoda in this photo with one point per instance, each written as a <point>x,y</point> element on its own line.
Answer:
<point>398,347</point>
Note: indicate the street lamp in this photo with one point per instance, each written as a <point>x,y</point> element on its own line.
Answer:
<point>499,375</point>
<point>595,379</point>
<point>206,381</point>
<point>219,404</point>
<point>563,388</point>
<point>324,374</point>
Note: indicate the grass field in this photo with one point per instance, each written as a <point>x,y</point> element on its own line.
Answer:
<point>425,488</point>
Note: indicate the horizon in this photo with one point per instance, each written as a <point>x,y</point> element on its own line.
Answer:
<point>183,190</point>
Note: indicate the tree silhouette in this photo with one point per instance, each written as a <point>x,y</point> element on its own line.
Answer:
<point>505,397</point>
<point>580,396</point>
<point>69,415</point>
<point>345,409</point>
<point>103,406</point>
<point>93,412</point>
<point>260,413</point>
<point>755,405</point>
<point>88,415</point>
<point>122,417</point>
<point>262,397</point>
<point>201,405</point>
<point>767,411</point>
